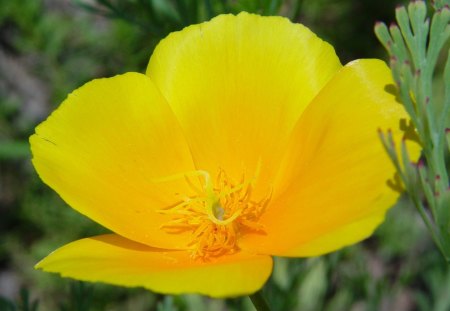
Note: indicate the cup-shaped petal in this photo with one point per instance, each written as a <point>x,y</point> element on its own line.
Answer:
<point>331,190</point>
<point>116,260</point>
<point>238,84</point>
<point>103,151</point>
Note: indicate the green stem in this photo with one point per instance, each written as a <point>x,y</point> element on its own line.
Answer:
<point>259,302</point>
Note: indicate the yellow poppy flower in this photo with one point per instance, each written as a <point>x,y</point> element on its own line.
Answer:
<point>245,139</point>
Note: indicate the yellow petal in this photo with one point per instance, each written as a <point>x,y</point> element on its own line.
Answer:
<point>102,149</point>
<point>116,260</point>
<point>341,237</point>
<point>238,84</point>
<point>331,190</point>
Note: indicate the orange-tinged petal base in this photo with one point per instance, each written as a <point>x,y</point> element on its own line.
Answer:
<point>116,260</point>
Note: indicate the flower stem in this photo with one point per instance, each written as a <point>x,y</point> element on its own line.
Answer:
<point>259,302</point>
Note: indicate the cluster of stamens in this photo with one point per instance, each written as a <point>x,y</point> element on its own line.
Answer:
<point>216,215</point>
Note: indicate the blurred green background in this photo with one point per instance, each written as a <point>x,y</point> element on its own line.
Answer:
<point>50,47</point>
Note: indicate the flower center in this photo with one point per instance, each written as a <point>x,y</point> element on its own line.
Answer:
<point>216,215</point>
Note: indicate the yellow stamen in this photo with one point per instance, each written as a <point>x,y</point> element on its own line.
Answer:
<point>216,214</point>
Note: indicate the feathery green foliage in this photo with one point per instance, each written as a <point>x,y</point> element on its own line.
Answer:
<point>415,45</point>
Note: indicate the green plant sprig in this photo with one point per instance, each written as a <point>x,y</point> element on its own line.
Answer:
<point>414,46</point>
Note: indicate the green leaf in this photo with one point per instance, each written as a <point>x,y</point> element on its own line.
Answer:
<point>314,286</point>
<point>167,304</point>
<point>10,150</point>
<point>382,33</point>
<point>165,9</point>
